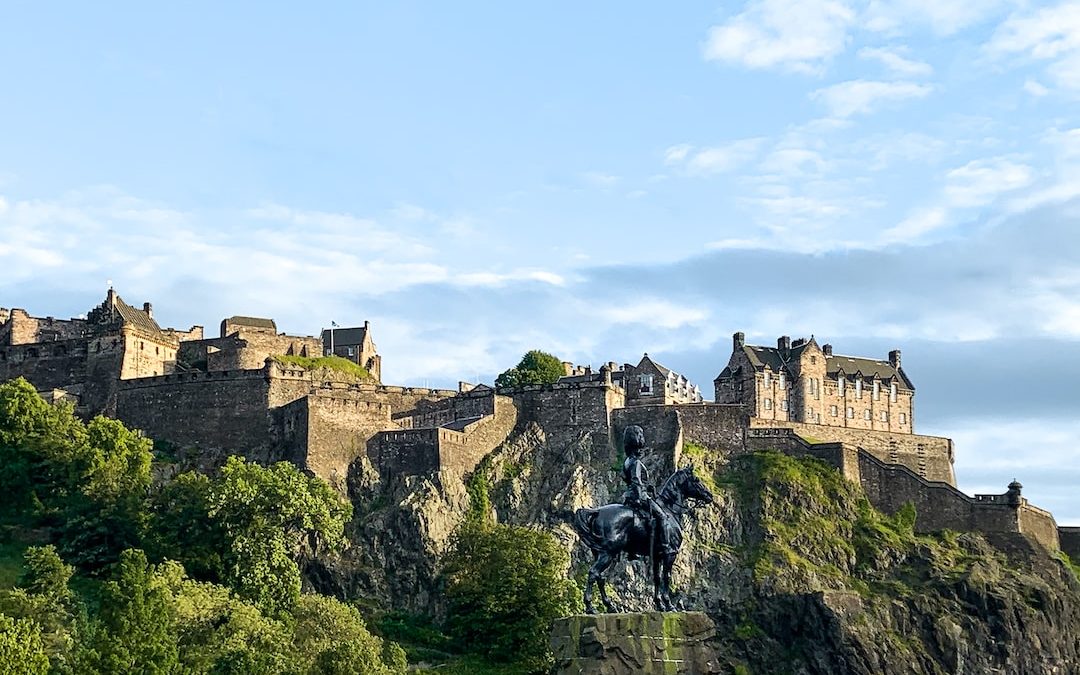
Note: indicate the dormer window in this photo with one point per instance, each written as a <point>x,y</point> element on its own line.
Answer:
<point>892,392</point>
<point>858,387</point>
<point>840,382</point>
<point>877,390</point>
<point>766,378</point>
<point>780,380</point>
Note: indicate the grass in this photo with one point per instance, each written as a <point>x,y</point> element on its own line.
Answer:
<point>335,363</point>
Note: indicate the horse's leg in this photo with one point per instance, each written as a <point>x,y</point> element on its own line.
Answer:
<point>665,581</point>
<point>658,602</point>
<point>596,576</point>
<point>589,580</point>
<point>609,560</point>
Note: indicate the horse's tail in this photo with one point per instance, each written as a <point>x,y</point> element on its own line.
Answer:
<point>585,525</point>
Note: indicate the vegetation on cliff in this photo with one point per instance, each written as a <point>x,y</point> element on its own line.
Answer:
<point>101,586</point>
<point>535,367</point>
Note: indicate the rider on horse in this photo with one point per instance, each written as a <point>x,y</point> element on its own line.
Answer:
<point>638,485</point>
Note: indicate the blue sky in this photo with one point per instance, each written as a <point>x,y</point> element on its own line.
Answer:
<point>594,179</point>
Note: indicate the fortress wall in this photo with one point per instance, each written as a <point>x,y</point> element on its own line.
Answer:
<point>146,355</point>
<point>462,451</point>
<point>939,505</point>
<point>50,365</point>
<point>929,456</point>
<point>663,435</point>
<point>1069,537</point>
<point>260,345</point>
<point>714,426</point>
<point>405,452</point>
<point>1039,523</point>
<point>226,410</point>
<point>844,458</point>
<point>438,412</point>
<point>21,328</point>
<point>338,429</point>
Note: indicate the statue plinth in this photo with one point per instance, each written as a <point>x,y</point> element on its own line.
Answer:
<point>643,643</point>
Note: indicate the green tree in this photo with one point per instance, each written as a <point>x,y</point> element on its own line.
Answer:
<point>505,584</point>
<point>134,630</point>
<point>182,529</point>
<point>43,595</point>
<point>535,367</point>
<point>332,636</point>
<point>269,517</point>
<point>21,652</point>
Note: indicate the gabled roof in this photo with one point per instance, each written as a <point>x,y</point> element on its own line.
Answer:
<point>253,322</point>
<point>344,336</point>
<point>137,317</point>
<point>664,371</point>
<point>850,365</point>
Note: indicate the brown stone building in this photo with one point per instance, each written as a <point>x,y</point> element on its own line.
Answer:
<point>799,381</point>
<point>83,359</point>
<point>649,383</point>
<point>244,343</point>
<point>356,345</point>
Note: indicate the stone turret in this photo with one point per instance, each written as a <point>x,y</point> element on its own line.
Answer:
<point>1014,496</point>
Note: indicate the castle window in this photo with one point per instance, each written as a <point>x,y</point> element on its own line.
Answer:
<point>645,385</point>
<point>903,418</point>
<point>858,388</point>
<point>813,360</point>
<point>768,404</point>
<point>327,352</point>
<point>783,405</point>
<point>877,390</point>
<point>884,416</point>
<point>765,379</point>
<point>780,380</point>
<point>840,382</point>
<point>352,351</point>
<point>892,392</point>
<point>866,414</point>
<point>142,345</point>
<point>833,410</point>
<point>851,413</point>
<point>157,350</point>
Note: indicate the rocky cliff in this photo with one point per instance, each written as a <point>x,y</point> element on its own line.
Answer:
<point>799,573</point>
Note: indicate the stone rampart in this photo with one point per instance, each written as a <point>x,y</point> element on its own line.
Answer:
<point>405,452</point>
<point>929,456</point>
<point>1069,538</point>
<point>47,366</point>
<point>438,412</point>
<point>225,410</point>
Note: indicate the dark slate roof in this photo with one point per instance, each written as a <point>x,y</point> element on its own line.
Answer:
<point>662,369</point>
<point>253,322</point>
<point>883,370</point>
<point>344,337</point>
<point>137,317</point>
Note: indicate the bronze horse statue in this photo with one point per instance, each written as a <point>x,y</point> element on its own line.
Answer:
<point>617,528</point>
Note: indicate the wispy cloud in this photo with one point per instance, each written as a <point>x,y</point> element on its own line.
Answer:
<point>1048,34</point>
<point>943,17</point>
<point>714,159</point>
<point>979,182</point>
<point>896,63</point>
<point>855,97</point>
<point>798,36</point>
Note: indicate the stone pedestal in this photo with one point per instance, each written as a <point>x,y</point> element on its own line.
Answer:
<point>643,643</point>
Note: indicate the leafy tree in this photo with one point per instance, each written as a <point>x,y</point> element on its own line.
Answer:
<point>269,517</point>
<point>535,367</point>
<point>505,584</point>
<point>333,636</point>
<point>134,630</point>
<point>43,596</point>
<point>182,529</point>
<point>21,652</point>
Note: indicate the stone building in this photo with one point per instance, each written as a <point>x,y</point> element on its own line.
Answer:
<point>83,359</point>
<point>649,383</point>
<point>799,381</point>
<point>244,343</point>
<point>356,345</point>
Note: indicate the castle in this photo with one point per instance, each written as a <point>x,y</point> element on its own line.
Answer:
<point>207,397</point>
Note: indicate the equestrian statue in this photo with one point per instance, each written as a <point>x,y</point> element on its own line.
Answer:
<point>644,525</point>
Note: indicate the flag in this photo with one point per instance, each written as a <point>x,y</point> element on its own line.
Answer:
<point>335,324</point>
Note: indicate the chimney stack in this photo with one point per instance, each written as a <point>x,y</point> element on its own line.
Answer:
<point>738,340</point>
<point>149,309</point>
<point>783,343</point>
<point>827,350</point>
<point>894,358</point>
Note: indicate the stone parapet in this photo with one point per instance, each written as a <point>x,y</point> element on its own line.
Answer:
<point>642,643</point>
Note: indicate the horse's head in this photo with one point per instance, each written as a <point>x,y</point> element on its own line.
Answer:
<point>691,486</point>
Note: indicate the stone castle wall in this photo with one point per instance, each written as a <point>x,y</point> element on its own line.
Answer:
<point>929,456</point>
<point>21,328</point>
<point>1070,542</point>
<point>54,365</point>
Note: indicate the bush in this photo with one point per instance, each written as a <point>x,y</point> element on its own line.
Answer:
<point>505,585</point>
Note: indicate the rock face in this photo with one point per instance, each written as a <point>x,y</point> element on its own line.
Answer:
<point>646,643</point>
<point>796,570</point>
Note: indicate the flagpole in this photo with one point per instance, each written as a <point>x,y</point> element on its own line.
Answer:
<point>331,338</point>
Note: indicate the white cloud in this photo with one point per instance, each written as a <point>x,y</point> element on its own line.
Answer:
<point>493,279</point>
<point>1048,34</point>
<point>1035,88</point>
<point>797,36</point>
<point>896,63</point>
<point>862,96</point>
<point>715,159</point>
<point>916,225</point>
<point>599,179</point>
<point>794,161</point>
<point>944,17</point>
<point>661,313</point>
<point>979,182</point>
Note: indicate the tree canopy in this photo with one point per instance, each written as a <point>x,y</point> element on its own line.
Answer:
<point>535,367</point>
